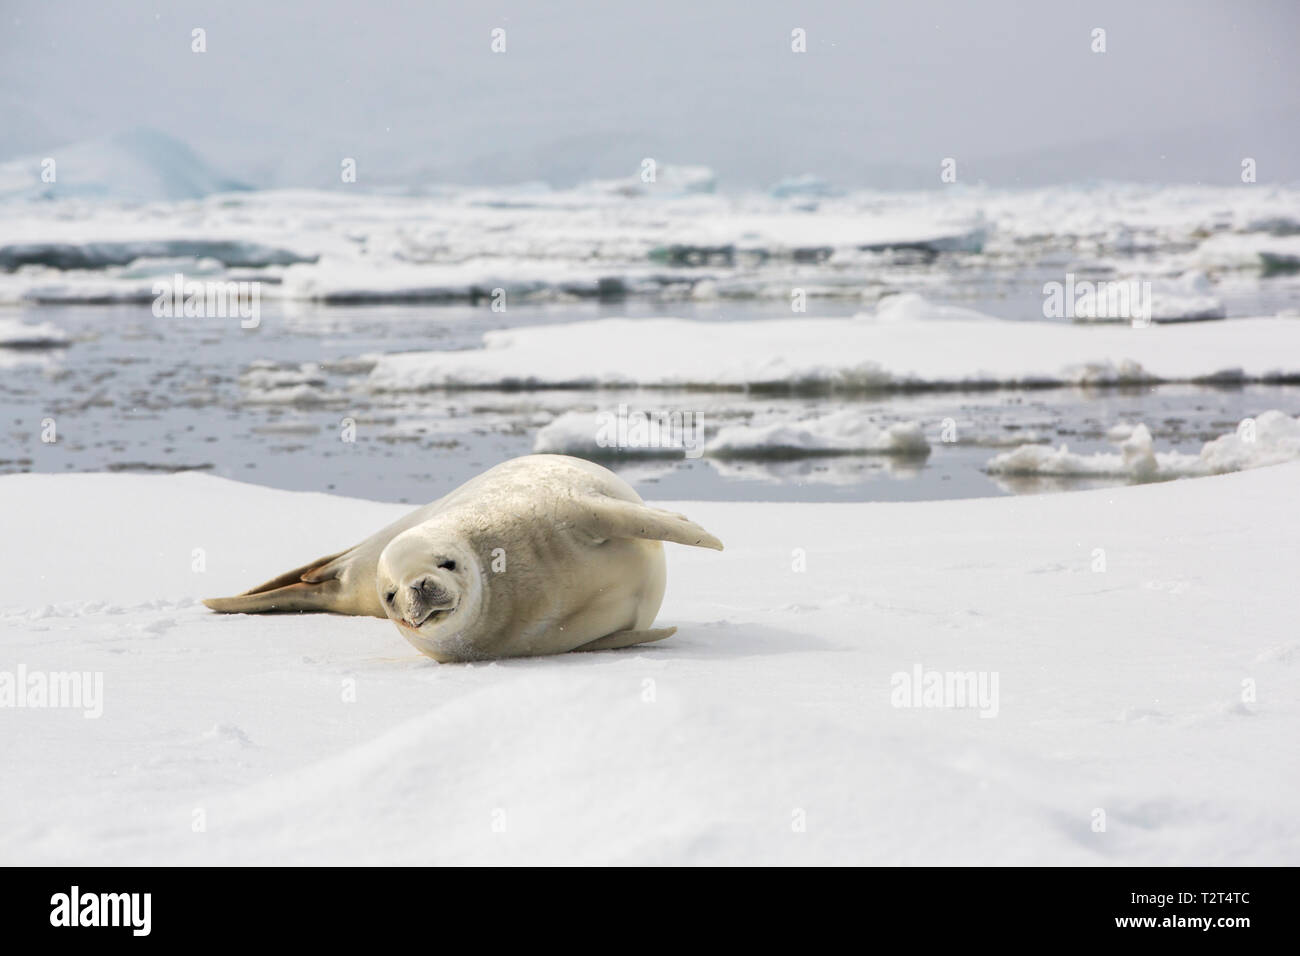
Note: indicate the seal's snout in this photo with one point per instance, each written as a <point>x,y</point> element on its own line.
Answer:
<point>427,590</point>
<point>424,598</point>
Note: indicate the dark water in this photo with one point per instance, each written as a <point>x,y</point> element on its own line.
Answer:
<point>137,393</point>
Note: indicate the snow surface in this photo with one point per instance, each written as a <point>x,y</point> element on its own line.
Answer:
<point>1271,438</point>
<point>861,353</point>
<point>1120,690</point>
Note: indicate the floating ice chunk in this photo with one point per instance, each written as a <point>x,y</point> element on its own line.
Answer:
<point>846,432</point>
<point>1189,297</point>
<point>268,383</point>
<point>1120,431</point>
<point>911,307</point>
<point>18,335</point>
<point>1269,253</point>
<point>1136,461</point>
<point>1138,454</point>
<point>572,433</point>
<point>598,435</point>
<point>1270,439</point>
<point>1186,298</point>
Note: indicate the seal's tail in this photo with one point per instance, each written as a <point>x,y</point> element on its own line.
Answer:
<point>312,587</point>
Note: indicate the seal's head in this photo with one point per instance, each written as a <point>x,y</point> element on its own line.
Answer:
<point>431,587</point>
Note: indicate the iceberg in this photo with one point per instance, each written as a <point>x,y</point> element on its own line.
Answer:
<point>138,165</point>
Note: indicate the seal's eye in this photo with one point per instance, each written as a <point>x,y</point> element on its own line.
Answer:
<point>389,596</point>
<point>449,565</point>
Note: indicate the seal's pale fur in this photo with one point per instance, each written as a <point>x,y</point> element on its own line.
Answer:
<point>539,555</point>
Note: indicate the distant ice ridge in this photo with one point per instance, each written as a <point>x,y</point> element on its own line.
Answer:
<point>1270,439</point>
<point>668,181</point>
<point>849,432</point>
<point>925,346</point>
<point>807,185</point>
<point>138,165</point>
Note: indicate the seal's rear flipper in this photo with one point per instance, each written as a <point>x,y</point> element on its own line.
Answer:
<point>611,642</point>
<point>311,587</point>
<point>615,518</point>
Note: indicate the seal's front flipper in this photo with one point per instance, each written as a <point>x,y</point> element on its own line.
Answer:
<point>608,518</point>
<point>312,587</point>
<point>611,642</point>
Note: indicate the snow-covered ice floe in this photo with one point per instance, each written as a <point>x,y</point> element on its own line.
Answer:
<point>853,354</point>
<point>784,723</point>
<point>1271,438</point>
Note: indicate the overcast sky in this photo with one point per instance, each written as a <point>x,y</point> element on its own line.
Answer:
<point>885,92</point>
